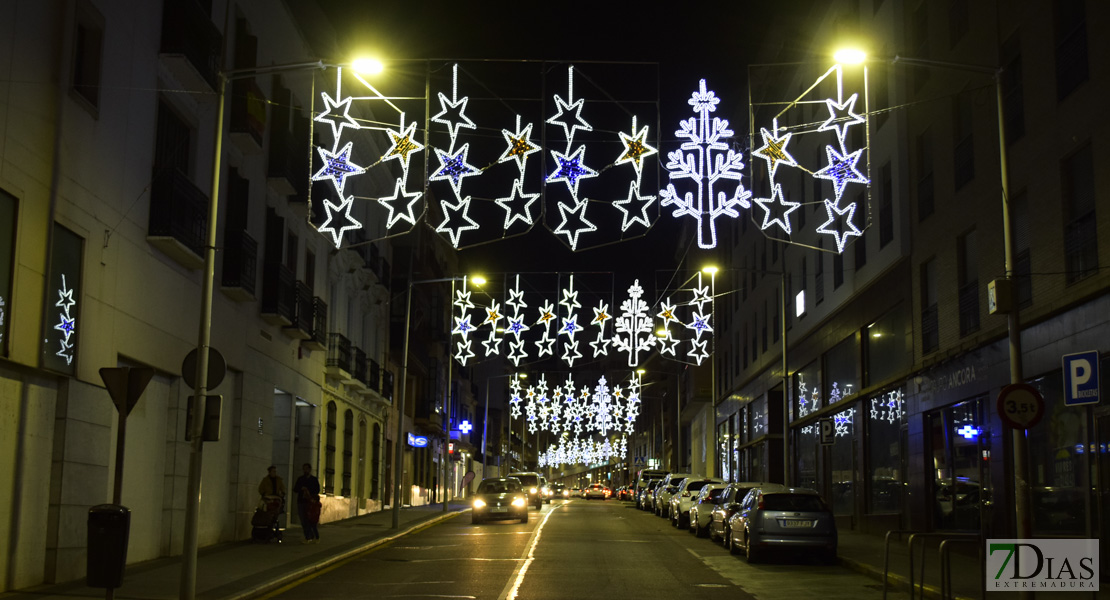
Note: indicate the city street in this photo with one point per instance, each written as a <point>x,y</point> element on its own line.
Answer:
<point>573,549</point>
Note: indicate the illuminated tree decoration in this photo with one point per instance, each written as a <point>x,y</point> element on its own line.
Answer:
<point>641,205</point>
<point>774,150</point>
<point>577,214</point>
<point>337,167</point>
<point>451,111</point>
<point>633,327</point>
<point>706,160</point>
<point>453,167</point>
<point>456,219</point>
<point>635,148</point>
<point>339,219</point>
<point>840,224</point>
<point>66,324</point>
<point>401,205</point>
<point>777,206</point>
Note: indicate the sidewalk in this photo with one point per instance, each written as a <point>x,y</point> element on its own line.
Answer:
<point>241,570</point>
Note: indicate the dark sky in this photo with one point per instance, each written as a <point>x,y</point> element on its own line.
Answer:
<point>715,42</point>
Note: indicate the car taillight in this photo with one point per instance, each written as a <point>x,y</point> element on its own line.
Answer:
<point>760,505</point>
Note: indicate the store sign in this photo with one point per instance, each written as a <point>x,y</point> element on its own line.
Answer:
<point>1081,378</point>
<point>418,441</point>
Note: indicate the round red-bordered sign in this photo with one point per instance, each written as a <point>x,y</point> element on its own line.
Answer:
<point>1020,405</point>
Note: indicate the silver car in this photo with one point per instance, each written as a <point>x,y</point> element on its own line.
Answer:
<point>701,512</point>
<point>795,518</point>
<point>663,493</point>
<point>683,498</point>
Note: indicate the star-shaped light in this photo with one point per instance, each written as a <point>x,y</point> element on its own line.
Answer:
<point>635,148</point>
<point>65,298</point>
<point>336,114</point>
<point>453,167</point>
<point>516,299</point>
<point>570,326</point>
<point>66,326</point>
<point>840,224</point>
<point>463,326</point>
<point>571,169</point>
<point>841,170</point>
<point>339,219</point>
<point>401,205</point>
<point>563,117</point>
<point>516,325</point>
<point>841,117</point>
<point>772,206</point>
<point>570,298</point>
<point>774,151</point>
<point>456,213</point>
<point>571,352</point>
<point>547,313</point>
<point>451,115</point>
<point>700,324</point>
<point>601,314</point>
<point>518,145</point>
<point>403,144</point>
<point>492,344</point>
<point>462,300</point>
<point>517,205</point>
<point>667,312</point>
<point>601,344</point>
<point>493,314</point>
<point>699,352</point>
<point>337,166</point>
<point>464,352</point>
<point>579,214</point>
<point>639,212</point>
<point>701,295</point>
<point>667,343</point>
<point>544,344</point>
<point>517,353</point>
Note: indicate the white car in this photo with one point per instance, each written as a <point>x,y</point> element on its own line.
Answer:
<point>662,501</point>
<point>684,496</point>
<point>701,511</point>
<point>596,490</point>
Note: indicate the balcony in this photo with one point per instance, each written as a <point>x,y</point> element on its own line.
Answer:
<point>248,116</point>
<point>374,376</point>
<point>287,167</point>
<point>178,218</point>
<point>279,295</point>
<point>240,267</point>
<point>358,372</point>
<point>190,45</point>
<point>338,363</point>
<point>301,329</point>
<point>318,340</point>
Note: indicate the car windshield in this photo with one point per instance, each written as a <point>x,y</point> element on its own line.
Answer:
<point>497,486</point>
<point>527,480</point>
<point>794,502</point>
<point>714,495</point>
<point>697,485</point>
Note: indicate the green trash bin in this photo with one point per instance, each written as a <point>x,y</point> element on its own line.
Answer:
<point>109,527</point>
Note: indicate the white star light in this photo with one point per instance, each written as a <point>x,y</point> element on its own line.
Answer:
<point>640,203</point>
<point>782,220</point>
<point>517,205</point>
<point>667,343</point>
<point>698,350</point>
<point>832,228</point>
<point>451,111</point>
<point>464,352</point>
<point>462,300</point>
<point>601,344</point>
<point>570,297</point>
<point>336,114</point>
<point>458,213</point>
<point>563,117</point>
<point>343,210</point>
<point>516,352</point>
<point>516,298</point>
<point>579,211</point>
<point>545,344</point>
<point>401,205</point>
<point>841,116</point>
<point>492,344</point>
<point>701,294</point>
<point>571,353</point>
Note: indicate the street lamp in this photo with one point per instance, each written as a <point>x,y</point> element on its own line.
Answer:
<point>204,335</point>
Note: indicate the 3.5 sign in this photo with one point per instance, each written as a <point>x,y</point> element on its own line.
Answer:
<point>1020,405</point>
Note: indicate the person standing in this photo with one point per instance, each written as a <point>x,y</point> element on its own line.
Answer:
<point>307,490</point>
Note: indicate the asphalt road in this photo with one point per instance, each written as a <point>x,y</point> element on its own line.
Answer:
<point>573,549</point>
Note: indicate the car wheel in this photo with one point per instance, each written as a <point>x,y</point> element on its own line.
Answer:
<point>475,520</point>
<point>725,533</point>
<point>731,545</point>
<point>524,519</point>
<point>700,531</point>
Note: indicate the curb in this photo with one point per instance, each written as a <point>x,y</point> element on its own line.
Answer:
<point>297,574</point>
<point>894,580</point>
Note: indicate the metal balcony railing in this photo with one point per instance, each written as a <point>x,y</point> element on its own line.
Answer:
<point>374,376</point>
<point>240,262</point>
<point>178,209</point>
<point>302,312</point>
<point>318,336</point>
<point>359,366</point>
<point>339,352</point>
<point>188,30</point>
<point>279,296</point>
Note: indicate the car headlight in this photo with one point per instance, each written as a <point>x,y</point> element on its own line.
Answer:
<point>479,503</point>
<point>532,491</point>
<point>566,494</point>
<point>518,502</point>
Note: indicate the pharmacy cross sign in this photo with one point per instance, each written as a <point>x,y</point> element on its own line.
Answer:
<point>465,427</point>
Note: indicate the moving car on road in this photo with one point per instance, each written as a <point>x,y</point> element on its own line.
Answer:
<point>499,498</point>
<point>533,483</point>
<point>795,518</point>
<point>596,490</point>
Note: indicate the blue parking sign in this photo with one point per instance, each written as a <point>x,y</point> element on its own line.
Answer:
<point>1081,378</point>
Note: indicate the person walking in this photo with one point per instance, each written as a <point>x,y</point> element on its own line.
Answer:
<point>307,490</point>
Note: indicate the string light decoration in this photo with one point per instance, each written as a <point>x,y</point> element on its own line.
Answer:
<point>571,169</point>
<point>565,108</point>
<point>888,407</point>
<point>518,145</point>
<point>67,324</point>
<point>451,111</point>
<point>773,150</point>
<point>709,162</point>
<point>456,219</point>
<point>633,327</point>
<point>777,206</point>
<point>517,205</point>
<point>463,326</point>
<point>636,149</point>
<point>401,205</point>
<point>577,215</point>
<point>336,114</point>
<point>842,113</point>
<point>840,224</point>
<point>453,167</point>
<point>339,219</point>
<point>841,169</point>
<point>641,205</point>
<point>337,166</point>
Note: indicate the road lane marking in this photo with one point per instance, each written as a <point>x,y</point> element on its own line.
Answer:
<point>511,588</point>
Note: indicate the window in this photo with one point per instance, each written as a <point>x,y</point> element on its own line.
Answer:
<point>807,390</point>
<point>1080,233</point>
<point>842,370</point>
<point>173,142</point>
<point>63,324</point>
<point>7,256</point>
<point>1013,92</point>
<point>1023,262</point>
<point>930,328</point>
<point>348,450</point>
<point>967,257</point>
<point>963,155</point>
<point>375,462</point>
<point>1071,45</point>
<point>886,206</point>
<point>886,414</point>
<point>924,175</point>
<point>887,346</point>
<point>88,43</point>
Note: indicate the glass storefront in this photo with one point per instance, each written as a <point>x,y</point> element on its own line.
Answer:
<point>841,379</point>
<point>886,415</point>
<point>958,443</point>
<point>842,480</point>
<point>1058,449</point>
<point>806,447</point>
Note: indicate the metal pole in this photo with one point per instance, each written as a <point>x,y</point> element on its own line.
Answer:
<point>400,430</point>
<point>188,581</point>
<point>785,382</point>
<point>485,428</point>
<point>447,491</point>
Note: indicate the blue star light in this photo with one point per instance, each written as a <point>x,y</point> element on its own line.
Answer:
<point>841,170</point>
<point>453,167</point>
<point>337,166</point>
<point>571,169</point>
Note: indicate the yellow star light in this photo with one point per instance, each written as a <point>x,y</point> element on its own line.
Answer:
<point>518,145</point>
<point>774,150</point>
<point>403,145</point>
<point>635,148</point>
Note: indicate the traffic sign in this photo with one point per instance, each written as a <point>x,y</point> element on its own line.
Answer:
<point>1081,378</point>
<point>639,460</point>
<point>1020,405</point>
<point>828,431</point>
<point>217,368</point>
<point>125,385</point>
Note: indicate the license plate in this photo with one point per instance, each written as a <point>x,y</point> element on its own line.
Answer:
<point>499,509</point>
<point>794,524</point>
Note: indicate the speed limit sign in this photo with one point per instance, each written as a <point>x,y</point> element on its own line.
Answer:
<point>1020,405</point>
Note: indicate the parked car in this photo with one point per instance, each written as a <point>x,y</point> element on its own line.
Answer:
<point>701,511</point>
<point>647,495</point>
<point>683,498</point>
<point>643,480</point>
<point>597,491</point>
<point>730,501</point>
<point>533,483</point>
<point>499,498</point>
<point>661,504</point>
<point>795,518</point>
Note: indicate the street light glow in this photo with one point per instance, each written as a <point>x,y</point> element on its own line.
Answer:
<point>850,56</point>
<point>709,270</point>
<point>478,280</point>
<point>367,66</point>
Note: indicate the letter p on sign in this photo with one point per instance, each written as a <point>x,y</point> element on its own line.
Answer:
<point>1081,381</point>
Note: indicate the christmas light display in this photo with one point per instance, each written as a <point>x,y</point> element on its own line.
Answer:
<point>842,421</point>
<point>841,114</point>
<point>777,206</point>
<point>336,114</point>
<point>889,407</point>
<point>841,169</point>
<point>339,219</point>
<point>492,344</point>
<point>337,167</point>
<point>578,212</point>
<point>708,161</point>
<point>633,327</point>
<point>517,205</point>
<point>451,111</point>
<point>640,205</point>
<point>67,324</point>
<point>570,169</point>
<point>774,150</point>
<point>565,108</point>
<point>403,145</point>
<point>453,167</point>
<point>518,145</point>
<point>635,149</point>
<point>401,205</point>
<point>456,219</point>
<point>840,224</point>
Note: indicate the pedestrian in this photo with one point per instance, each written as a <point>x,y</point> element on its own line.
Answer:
<point>307,489</point>
<point>272,487</point>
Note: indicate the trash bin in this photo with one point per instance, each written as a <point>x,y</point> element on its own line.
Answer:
<point>109,527</point>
